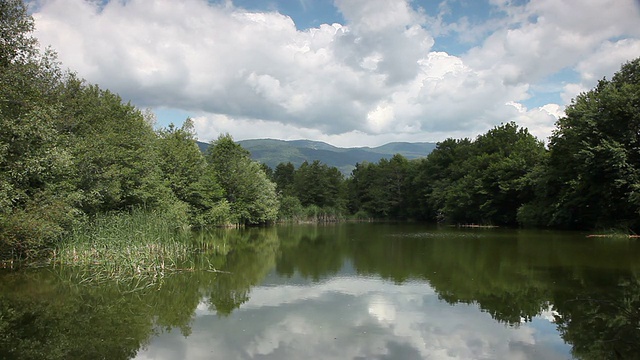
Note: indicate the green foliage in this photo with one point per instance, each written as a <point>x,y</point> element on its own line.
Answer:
<point>186,173</point>
<point>180,160</point>
<point>283,177</point>
<point>250,194</point>
<point>29,230</point>
<point>481,181</point>
<point>316,214</point>
<point>290,209</point>
<point>119,246</point>
<point>434,174</point>
<point>218,214</point>
<point>382,190</point>
<point>318,184</point>
<point>314,192</point>
<point>117,162</point>
<point>35,165</point>
<point>67,149</point>
<point>593,173</point>
<point>70,150</point>
<point>16,43</point>
<point>267,170</point>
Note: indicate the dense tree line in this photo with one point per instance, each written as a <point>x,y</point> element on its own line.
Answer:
<point>588,176</point>
<point>480,181</point>
<point>70,151</point>
<point>313,192</point>
<point>592,174</point>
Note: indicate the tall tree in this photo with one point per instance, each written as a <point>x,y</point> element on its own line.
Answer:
<point>116,158</point>
<point>16,42</point>
<point>320,185</point>
<point>251,195</point>
<point>436,173</point>
<point>34,164</point>
<point>593,173</point>
<point>283,177</point>
<point>484,181</point>
<point>185,171</point>
<point>382,190</point>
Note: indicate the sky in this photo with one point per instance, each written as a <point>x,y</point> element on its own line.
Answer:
<point>347,72</point>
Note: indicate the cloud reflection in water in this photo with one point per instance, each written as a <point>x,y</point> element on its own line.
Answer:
<point>355,318</point>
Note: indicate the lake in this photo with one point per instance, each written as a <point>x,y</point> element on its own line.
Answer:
<point>343,291</point>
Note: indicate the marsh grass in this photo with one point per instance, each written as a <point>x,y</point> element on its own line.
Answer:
<point>125,246</point>
<point>615,233</point>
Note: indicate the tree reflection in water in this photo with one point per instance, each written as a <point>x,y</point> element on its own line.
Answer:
<point>514,276</point>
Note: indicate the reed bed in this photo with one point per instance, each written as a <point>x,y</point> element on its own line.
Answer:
<point>122,246</point>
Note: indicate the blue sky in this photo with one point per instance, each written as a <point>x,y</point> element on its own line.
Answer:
<point>313,13</point>
<point>305,13</point>
<point>348,72</point>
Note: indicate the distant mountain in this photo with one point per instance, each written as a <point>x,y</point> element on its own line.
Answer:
<point>272,152</point>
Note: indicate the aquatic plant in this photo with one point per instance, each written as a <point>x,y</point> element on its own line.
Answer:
<point>115,246</point>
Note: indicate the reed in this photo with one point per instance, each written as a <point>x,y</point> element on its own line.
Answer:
<point>312,214</point>
<point>118,246</point>
<point>615,233</point>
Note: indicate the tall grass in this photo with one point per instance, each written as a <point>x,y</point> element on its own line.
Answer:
<point>311,214</point>
<point>119,246</point>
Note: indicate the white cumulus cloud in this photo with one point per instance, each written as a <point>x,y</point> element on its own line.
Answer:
<point>372,79</point>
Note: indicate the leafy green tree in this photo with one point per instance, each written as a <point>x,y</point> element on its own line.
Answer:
<point>35,206</point>
<point>435,174</point>
<point>185,171</point>
<point>357,186</point>
<point>509,155</point>
<point>181,161</point>
<point>283,177</point>
<point>251,195</point>
<point>267,170</point>
<point>320,185</point>
<point>593,173</point>
<point>397,173</point>
<point>116,158</point>
<point>484,181</point>
<point>16,26</point>
<point>290,208</point>
<point>382,190</point>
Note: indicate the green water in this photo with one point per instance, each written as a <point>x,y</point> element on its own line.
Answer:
<point>348,291</point>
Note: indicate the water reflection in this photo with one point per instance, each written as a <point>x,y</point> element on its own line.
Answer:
<point>352,318</point>
<point>378,291</point>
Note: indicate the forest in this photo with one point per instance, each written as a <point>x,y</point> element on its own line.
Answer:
<point>71,152</point>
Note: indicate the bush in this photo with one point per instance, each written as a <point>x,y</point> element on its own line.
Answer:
<point>32,231</point>
<point>290,209</point>
<point>362,215</point>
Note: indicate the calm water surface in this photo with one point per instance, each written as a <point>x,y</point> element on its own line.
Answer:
<point>348,291</point>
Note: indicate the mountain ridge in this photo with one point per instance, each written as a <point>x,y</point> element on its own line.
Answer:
<point>273,152</point>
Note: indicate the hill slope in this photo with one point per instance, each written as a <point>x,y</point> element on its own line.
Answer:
<point>272,152</point>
